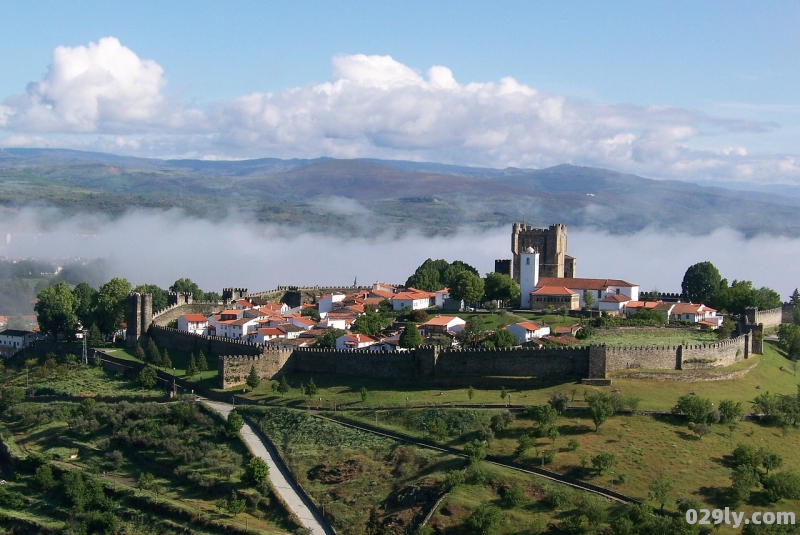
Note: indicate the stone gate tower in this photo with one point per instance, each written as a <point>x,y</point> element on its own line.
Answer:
<point>138,316</point>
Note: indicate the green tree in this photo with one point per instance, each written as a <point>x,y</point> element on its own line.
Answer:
<point>475,450</point>
<point>370,322</point>
<point>730,411</point>
<point>470,393</point>
<point>364,393</point>
<point>93,337</point>
<point>795,297</point>
<point>544,415</point>
<point>146,481</point>
<point>84,303</point>
<point>311,313</point>
<point>782,485</point>
<point>559,401</point>
<point>191,368</point>
<point>283,386</point>
<point>234,423</point>
<point>473,333</point>
<point>515,496</point>
<point>659,490</point>
<point>43,477</point>
<point>311,388</point>
<point>485,520</point>
<point>588,299</point>
<point>257,471</point>
<point>700,282</point>
<point>147,377</point>
<point>235,504</point>
<point>500,287</point>
<point>187,285</point>
<point>434,275</point>
<point>600,409</point>
<point>252,378</point>
<point>166,362</point>
<point>327,340</point>
<point>771,461</point>
<point>468,287</point>
<point>56,310</point>
<point>153,354</point>
<point>201,362</point>
<point>110,304</point>
<point>502,338</point>
<point>695,408</point>
<point>410,337</point>
<point>602,462</point>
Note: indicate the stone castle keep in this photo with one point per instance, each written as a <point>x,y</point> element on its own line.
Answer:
<point>424,365</point>
<point>550,243</point>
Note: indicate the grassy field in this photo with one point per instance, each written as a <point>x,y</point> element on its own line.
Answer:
<point>180,360</point>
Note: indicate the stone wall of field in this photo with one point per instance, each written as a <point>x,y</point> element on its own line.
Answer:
<point>722,353</point>
<point>680,357</point>
<point>270,363</point>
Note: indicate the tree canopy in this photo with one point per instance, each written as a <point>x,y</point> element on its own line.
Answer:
<point>56,309</point>
<point>187,285</point>
<point>467,286</point>
<point>700,282</point>
<point>159,295</point>
<point>434,275</point>
<point>328,338</point>
<point>110,304</point>
<point>500,287</point>
<point>410,337</point>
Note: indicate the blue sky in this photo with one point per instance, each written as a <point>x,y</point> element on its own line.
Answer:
<point>687,90</point>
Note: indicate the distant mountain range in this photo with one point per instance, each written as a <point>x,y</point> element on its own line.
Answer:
<point>368,196</point>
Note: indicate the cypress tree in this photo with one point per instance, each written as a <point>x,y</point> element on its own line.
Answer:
<point>252,378</point>
<point>202,364</point>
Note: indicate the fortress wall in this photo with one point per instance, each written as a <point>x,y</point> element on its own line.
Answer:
<point>210,345</point>
<point>770,318</point>
<point>526,362</point>
<point>646,357</point>
<point>234,369</point>
<point>171,313</point>
<point>397,365</point>
<point>722,353</point>
<point>787,313</point>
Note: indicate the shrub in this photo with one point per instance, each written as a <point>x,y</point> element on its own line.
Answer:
<point>257,471</point>
<point>603,462</point>
<point>557,497</point>
<point>485,520</point>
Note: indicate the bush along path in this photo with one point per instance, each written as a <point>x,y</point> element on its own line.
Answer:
<point>282,481</point>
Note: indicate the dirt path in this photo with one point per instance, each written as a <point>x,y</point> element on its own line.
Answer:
<point>279,475</point>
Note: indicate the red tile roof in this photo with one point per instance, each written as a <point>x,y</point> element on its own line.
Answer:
<point>529,326</point>
<point>613,298</point>
<point>552,290</point>
<point>441,320</point>
<point>195,318</point>
<point>583,284</point>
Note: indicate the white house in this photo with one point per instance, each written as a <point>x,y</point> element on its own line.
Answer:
<point>613,303</point>
<point>267,334</point>
<point>354,341</point>
<point>441,296</point>
<point>442,324</point>
<point>304,322</point>
<point>412,299</point>
<point>236,328</point>
<point>15,339</point>
<point>695,313</point>
<point>193,323</point>
<point>525,331</point>
<point>325,303</point>
<point>599,288</point>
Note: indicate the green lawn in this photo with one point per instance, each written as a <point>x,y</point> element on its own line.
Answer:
<point>638,336</point>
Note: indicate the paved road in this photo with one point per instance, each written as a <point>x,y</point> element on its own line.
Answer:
<point>278,475</point>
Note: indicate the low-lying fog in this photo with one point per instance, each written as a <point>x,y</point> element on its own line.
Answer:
<point>160,247</point>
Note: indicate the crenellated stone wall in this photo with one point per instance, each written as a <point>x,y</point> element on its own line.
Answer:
<point>526,362</point>
<point>166,315</point>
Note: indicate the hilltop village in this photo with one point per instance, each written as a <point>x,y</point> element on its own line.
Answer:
<point>544,279</point>
<point>450,323</point>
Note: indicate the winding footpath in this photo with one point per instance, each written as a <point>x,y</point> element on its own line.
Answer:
<point>279,475</point>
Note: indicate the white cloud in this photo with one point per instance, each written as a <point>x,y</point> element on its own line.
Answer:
<point>375,106</point>
<point>653,259</point>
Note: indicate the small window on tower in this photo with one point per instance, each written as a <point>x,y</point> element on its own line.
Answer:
<point>527,261</point>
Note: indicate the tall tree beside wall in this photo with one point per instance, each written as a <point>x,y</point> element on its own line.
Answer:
<point>56,310</point>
